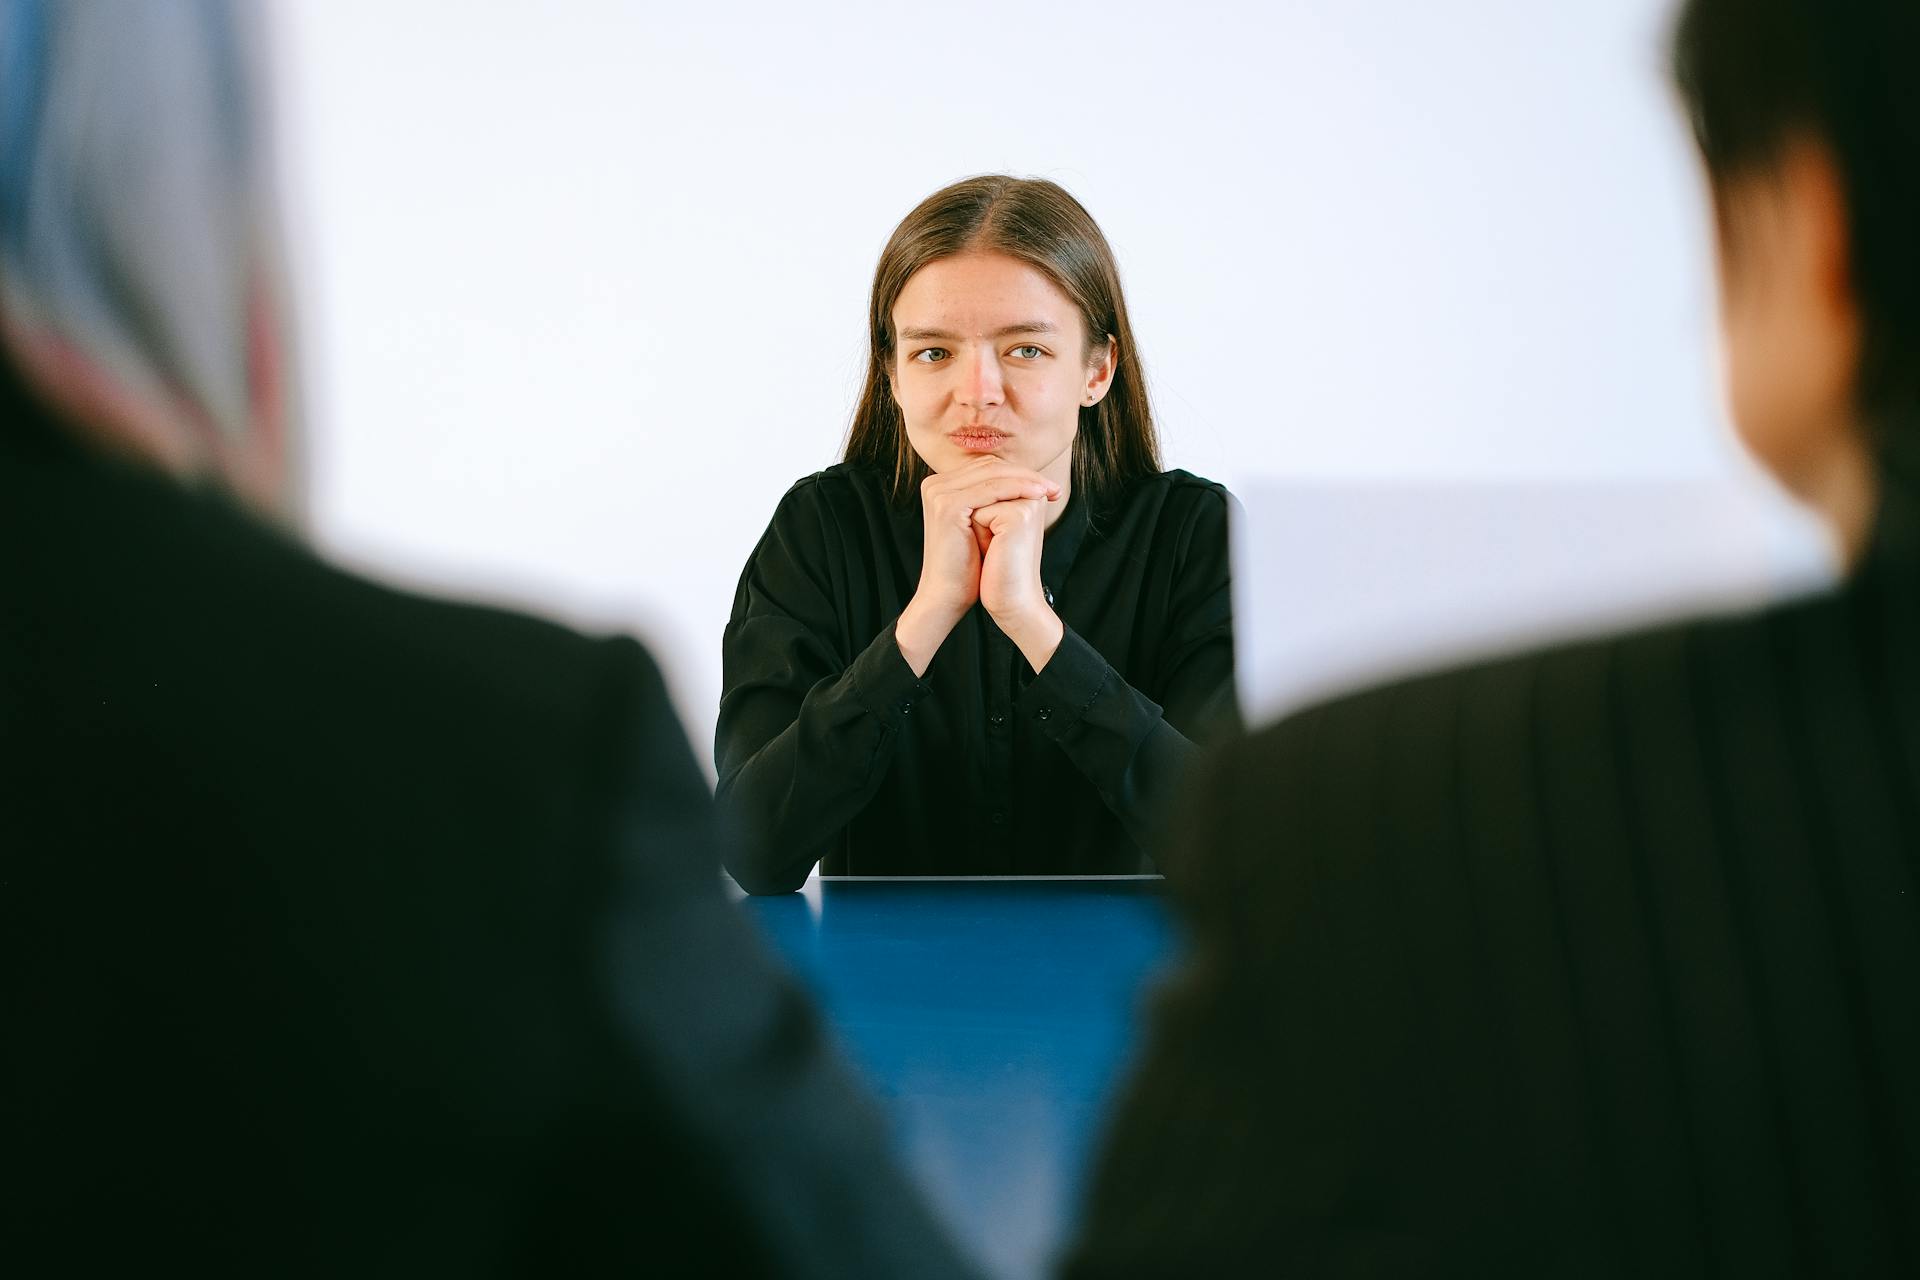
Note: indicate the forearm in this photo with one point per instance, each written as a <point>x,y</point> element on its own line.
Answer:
<point>1036,634</point>
<point>1136,773</point>
<point>1120,739</point>
<point>922,628</point>
<point>791,791</point>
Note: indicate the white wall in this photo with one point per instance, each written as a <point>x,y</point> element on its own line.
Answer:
<point>1343,584</point>
<point>583,283</point>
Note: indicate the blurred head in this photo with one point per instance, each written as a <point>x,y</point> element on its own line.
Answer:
<point>997,325</point>
<point>1809,125</point>
<point>139,281</point>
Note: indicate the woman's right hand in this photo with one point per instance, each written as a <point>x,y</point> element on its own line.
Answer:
<point>950,561</point>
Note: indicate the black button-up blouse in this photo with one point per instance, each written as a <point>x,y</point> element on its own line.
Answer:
<point>830,750</point>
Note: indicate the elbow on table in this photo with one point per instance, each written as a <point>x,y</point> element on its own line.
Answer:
<point>746,852</point>
<point>758,880</point>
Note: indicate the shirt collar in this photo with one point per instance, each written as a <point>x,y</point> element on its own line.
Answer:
<point>1062,545</point>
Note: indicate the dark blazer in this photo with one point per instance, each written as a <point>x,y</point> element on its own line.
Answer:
<point>1597,961</point>
<point>348,932</point>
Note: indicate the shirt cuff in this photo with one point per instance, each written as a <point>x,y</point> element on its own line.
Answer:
<point>883,683</point>
<point>1074,679</point>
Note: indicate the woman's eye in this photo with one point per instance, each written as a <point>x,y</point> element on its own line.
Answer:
<point>932,355</point>
<point>1028,353</point>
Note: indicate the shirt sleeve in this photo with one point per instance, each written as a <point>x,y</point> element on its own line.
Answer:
<point>806,729</point>
<point>1133,749</point>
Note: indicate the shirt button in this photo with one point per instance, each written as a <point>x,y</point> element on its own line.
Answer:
<point>906,708</point>
<point>1048,592</point>
<point>997,721</point>
<point>1045,713</point>
<point>999,817</point>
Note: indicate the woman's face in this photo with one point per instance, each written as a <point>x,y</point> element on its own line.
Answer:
<point>991,358</point>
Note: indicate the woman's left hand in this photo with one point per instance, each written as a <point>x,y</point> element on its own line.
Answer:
<point>1011,535</point>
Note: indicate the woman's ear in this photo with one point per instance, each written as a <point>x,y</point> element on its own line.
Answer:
<point>1100,373</point>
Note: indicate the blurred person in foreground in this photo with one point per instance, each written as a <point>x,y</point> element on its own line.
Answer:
<point>345,932</point>
<point>1603,960</point>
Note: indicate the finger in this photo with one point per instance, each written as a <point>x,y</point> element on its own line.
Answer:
<point>1019,502</point>
<point>1007,470</point>
<point>980,490</point>
<point>981,470</point>
<point>1005,489</point>
<point>996,515</point>
<point>995,462</point>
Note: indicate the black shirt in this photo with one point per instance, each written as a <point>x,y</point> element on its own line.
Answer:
<point>830,750</point>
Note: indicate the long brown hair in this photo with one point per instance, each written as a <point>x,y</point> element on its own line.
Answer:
<point>1037,222</point>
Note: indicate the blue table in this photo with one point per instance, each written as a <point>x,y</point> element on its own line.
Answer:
<point>994,1018</point>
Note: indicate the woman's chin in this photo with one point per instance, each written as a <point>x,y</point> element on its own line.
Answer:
<point>952,458</point>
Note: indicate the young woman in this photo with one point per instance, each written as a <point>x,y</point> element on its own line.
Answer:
<point>987,641</point>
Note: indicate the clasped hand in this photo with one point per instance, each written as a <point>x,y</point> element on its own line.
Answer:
<point>985,526</point>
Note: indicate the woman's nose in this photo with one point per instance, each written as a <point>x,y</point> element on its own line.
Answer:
<point>981,384</point>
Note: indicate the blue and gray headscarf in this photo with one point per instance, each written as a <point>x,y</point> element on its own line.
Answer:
<point>140,281</point>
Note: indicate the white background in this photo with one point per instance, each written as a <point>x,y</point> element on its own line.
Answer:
<point>582,285</point>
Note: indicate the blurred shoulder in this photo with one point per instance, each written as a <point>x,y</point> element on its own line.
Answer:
<point>1668,656</point>
<point>1475,753</point>
<point>178,600</point>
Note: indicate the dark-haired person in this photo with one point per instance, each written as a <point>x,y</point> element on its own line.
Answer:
<point>987,641</point>
<point>342,932</point>
<point>1601,961</point>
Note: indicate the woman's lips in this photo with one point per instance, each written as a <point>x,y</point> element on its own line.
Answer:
<point>977,439</point>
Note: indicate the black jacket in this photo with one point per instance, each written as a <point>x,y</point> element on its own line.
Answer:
<point>1597,961</point>
<point>829,750</point>
<point>347,932</point>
